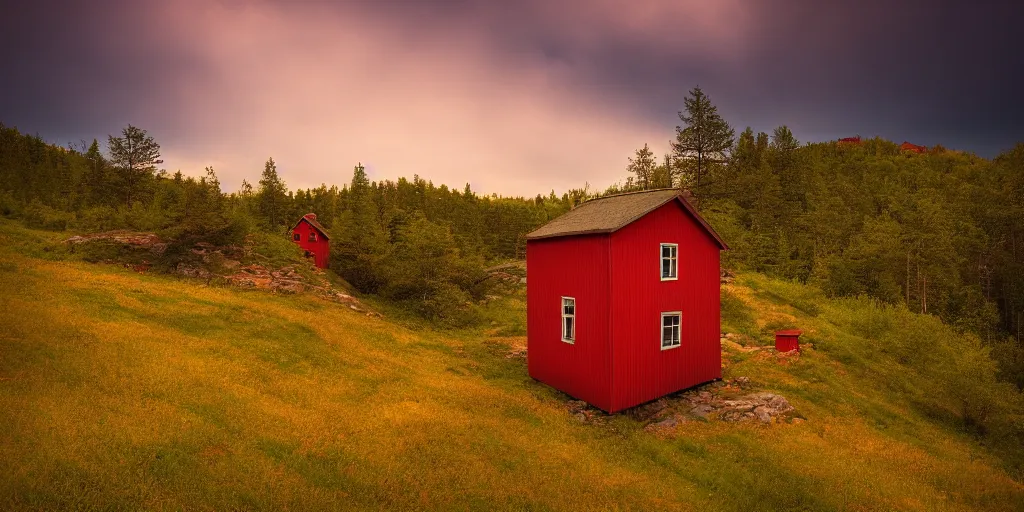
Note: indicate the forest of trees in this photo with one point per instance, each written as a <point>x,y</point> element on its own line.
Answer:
<point>407,240</point>
<point>939,232</point>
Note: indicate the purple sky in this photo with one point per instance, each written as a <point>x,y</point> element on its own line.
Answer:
<point>513,97</point>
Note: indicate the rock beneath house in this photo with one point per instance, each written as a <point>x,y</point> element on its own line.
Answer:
<point>666,424</point>
<point>576,405</point>
<point>702,410</point>
<point>581,417</point>
<point>649,410</point>
<point>760,406</point>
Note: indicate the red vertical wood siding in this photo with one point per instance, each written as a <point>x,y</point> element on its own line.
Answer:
<point>321,248</point>
<point>785,342</point>
<point>642,370</point>
<point>574,267</point>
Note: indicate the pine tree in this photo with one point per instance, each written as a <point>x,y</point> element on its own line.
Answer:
<point>643,168</point>
<point>94,179</point>
<point>135,156</point>
<point>702,144</point>
<point>362,243</point>
<point>273,195</point>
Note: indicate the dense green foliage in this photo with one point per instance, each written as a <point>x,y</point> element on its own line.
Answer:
<point>409,240</point>
<point>937,232</point>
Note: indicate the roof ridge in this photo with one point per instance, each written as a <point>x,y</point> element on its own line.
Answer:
<point>634,192</point>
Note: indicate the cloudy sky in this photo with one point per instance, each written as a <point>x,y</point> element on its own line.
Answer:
<point>513,97</point>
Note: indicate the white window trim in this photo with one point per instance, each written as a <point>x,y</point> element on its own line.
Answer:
<point>661,261</point>
<point>561,304</point>
<point>661,330</point>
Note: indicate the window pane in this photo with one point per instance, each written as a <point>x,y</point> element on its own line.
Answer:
<point>666,337</point>
<point>666,268</point>
<point>666,251</point>
<point>569,328</point>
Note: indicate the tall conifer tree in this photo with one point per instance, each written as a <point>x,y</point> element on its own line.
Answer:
<point>702,143</point>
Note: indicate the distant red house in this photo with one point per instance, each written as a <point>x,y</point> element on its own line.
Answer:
<point>913,148</point>
<point>311,236</point>
<point>623,301</point>
<point>850,140</point>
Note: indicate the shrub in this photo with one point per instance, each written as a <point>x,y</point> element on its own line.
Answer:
<point>38,215</point>
<point>9,206</point>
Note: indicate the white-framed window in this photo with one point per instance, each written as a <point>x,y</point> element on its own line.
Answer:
<point>670,329</point>
<point>312,236</point>
<point>568,319</point>
<point>669,262</point>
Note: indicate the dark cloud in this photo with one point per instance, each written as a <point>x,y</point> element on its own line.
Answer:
<point>929,72</point>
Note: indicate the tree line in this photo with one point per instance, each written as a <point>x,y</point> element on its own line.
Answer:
<point>408,240</point>
<point>937,232</point>
<point>940,232</point>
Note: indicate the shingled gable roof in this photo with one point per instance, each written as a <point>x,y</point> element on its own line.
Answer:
<point>316,225</point>
<point>611,213</point>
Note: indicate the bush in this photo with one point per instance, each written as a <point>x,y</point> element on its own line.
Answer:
<point>100,218</point>
<point>38,215</point>
<point>9,206</point>
<point>1009,354</point>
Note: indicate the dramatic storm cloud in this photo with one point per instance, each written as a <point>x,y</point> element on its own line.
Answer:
<point>512,97</point>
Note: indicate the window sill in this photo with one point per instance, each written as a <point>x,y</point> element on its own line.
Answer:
<point>670,347</point>
<point>571,342</point>
<point>670,278</point>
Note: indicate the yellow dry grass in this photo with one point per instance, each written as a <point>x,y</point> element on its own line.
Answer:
<point>120,390</point>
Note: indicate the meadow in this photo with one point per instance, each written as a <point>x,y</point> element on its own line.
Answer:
<point>121,390</point>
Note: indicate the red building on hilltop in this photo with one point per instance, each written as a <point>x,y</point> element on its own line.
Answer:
<point>311,236</point>
<point>623,301</point>
<point>913,148</point>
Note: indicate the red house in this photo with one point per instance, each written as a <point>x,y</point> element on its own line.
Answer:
<point>311,236</point>
<point>913,148</point>
<point>623,300</point>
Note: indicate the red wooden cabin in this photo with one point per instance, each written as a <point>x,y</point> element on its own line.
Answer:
<point>913,148</point>
<point>623,300</point>
<point>850,140</point>
<point>311,236</point>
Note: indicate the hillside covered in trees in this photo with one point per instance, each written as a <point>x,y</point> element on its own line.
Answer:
<point>938,232</point>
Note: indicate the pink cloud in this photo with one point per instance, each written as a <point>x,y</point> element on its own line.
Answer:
<point>320,89</point>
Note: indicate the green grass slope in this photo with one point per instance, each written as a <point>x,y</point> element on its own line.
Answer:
<point>128,391</point>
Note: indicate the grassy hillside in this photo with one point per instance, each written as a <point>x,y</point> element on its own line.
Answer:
<point>121,390</point>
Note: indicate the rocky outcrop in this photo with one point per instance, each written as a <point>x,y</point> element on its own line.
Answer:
<point>208,262</point>
<point>284,280</point>
<point>763,407</point>
<point>133,239</point>
<point>728,401</point>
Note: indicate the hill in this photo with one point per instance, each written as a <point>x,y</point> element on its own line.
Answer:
<point>128,390</point>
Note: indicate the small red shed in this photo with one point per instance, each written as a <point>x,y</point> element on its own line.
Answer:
<point>623,301</point>
<point>788,340</point>
<point>311,236</point>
